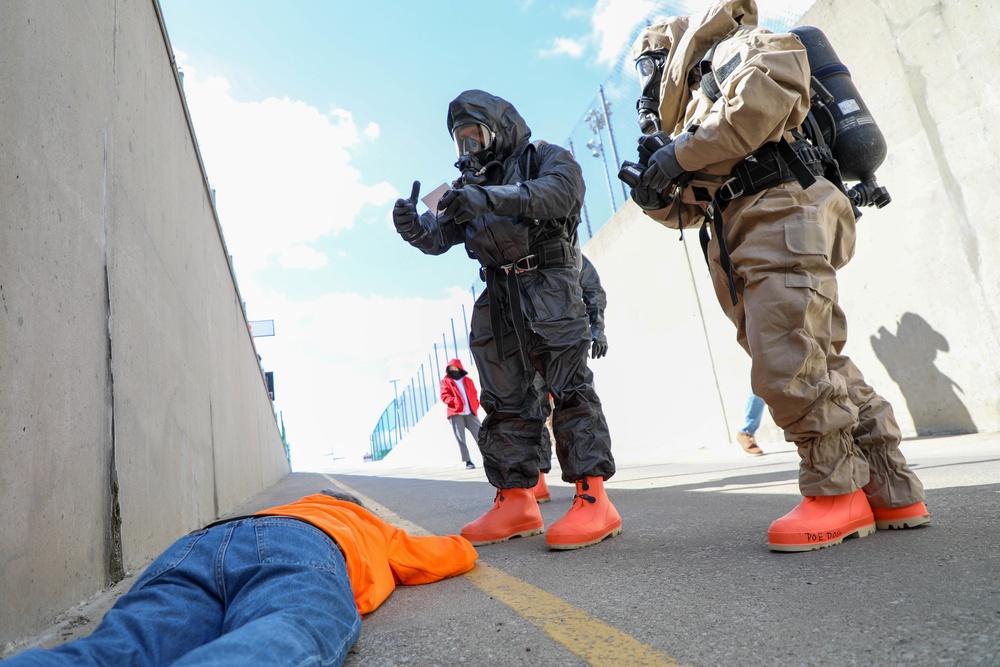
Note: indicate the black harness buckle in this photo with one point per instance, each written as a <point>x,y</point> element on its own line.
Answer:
<point>730,190</point>
<point>523,265</point>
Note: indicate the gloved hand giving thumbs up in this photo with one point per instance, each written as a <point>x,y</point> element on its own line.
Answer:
<point>405,218</point>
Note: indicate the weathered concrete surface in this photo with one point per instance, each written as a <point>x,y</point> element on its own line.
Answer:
<point>922,294</point>
<point>135,407</point>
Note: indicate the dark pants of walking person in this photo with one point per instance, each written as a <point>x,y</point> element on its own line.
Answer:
<point>459,424</point>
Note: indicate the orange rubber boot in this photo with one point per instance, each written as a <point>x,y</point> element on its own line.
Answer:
<point>910,516</point>
<point>591,519</point>
<point>514,514</point>
<point>541,490</point>
<point>822,521</point>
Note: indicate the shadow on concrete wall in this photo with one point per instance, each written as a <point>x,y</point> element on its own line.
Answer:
<point>931,396</point>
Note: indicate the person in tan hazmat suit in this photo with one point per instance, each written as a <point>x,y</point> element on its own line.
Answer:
<point>776,249</point>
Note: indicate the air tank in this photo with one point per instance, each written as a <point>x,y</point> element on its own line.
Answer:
<point>854,137</point>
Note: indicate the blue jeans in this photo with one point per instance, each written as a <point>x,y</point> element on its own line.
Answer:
<point>754,411</point>
<point>261,591</point>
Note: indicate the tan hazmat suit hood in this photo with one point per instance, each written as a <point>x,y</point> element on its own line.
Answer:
<point>688,39</point>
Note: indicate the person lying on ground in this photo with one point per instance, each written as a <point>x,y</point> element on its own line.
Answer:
<point>286,586</point>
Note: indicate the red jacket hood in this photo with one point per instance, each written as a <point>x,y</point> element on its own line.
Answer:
<point>450,394</point>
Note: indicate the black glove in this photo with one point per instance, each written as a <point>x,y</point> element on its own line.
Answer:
<point>465,204</point>
<point>650,143</point>
<point>599,348</point>
<point>405,217</point>
<point>663,168</point>
<point>647,198</point>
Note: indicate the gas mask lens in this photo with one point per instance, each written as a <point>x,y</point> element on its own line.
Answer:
<point>472,138</point>
<point>650,66</point>
<point>646,69</point>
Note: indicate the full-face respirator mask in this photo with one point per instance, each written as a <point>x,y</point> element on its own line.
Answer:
<point>650,68</point>
<point>473,143</point>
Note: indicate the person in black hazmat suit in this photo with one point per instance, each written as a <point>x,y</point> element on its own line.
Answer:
<point>516,208</point>
<point>595,301</point>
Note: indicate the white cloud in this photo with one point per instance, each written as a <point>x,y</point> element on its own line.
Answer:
<point>335,356</point>
<point>613,21</point>
<point>301,257</point>
<point>564,46</point>
<point>283,177</point>
<point>281,170</point>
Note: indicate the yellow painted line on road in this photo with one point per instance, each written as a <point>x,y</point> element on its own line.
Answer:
<point>593,640</point>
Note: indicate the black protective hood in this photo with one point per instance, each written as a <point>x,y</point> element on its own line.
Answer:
<point>478,106</point>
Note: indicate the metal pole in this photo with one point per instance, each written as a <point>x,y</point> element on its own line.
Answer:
<point>444,341</point>
<point>405,409</point>
<point>377,441</point>
<point>434,394</point>
<point>586,216</point>
<point>402,415</point>
<point>404,419</point>
<point>454,338</point>
<point>607,175</point>
<point>611,136</point>
<point>437,367</point>
<point>413,392</point>
<point>423,390</point>
<point>395,407</point>
<point>468,340</point>
<point>596,121</point>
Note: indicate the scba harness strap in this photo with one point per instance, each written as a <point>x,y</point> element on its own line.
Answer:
<point>553,253</point>
<point>773,164</point>
<point>549,253</point>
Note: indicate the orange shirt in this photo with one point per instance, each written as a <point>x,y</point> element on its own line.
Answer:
<point>379,556</point>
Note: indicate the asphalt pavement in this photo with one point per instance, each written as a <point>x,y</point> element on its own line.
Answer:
<point>690,580</point>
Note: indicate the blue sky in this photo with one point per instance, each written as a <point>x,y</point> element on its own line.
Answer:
<point>312,117</point>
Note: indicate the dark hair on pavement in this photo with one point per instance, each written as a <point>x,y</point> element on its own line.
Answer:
<point>342,495</point>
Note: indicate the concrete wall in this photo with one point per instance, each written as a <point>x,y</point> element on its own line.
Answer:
<point>134,408</point>
<point>922,293</point>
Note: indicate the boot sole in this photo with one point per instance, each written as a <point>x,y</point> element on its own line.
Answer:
<point>580,545</point>
<point>543,499</point>
<point>523,533</point>
<point>864,531</point>
<point>899,524</point>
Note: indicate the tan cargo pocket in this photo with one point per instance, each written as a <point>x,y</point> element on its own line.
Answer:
<point>807,261</point>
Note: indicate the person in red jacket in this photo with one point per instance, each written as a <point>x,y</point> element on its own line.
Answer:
<point>458,393</point>
<point>286,586</point>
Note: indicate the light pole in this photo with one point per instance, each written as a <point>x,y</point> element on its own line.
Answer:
<point>586,216</point>
<point>596,120</point>
<point>611,135</point>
